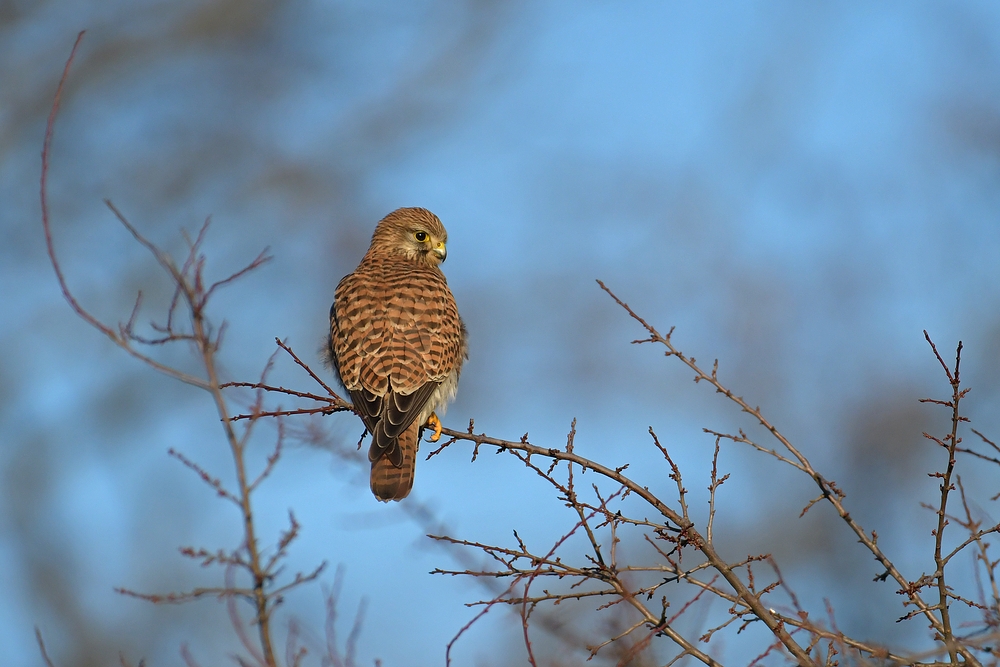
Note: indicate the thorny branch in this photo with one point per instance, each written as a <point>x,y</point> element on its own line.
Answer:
<point>949,443</point>
<point>675,534</point>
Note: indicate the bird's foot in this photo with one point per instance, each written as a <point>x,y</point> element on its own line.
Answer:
<point>434,423</point>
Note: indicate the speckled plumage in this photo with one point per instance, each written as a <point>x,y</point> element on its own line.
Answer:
<point>397,342</point>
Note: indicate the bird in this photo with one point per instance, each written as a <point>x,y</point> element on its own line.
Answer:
<point>397,343</point>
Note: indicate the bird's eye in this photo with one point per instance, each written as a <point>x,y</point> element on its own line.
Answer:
<point>420,236</point>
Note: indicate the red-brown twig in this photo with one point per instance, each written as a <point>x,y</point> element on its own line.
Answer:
<point>950,443</point>
<point>828,489</point>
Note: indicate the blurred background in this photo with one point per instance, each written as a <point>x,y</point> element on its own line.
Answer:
<point>799,188</point>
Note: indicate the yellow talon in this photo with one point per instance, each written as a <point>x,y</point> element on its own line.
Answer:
<point>434,423</point>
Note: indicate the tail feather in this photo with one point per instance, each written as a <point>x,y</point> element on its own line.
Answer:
<point>390,482</point>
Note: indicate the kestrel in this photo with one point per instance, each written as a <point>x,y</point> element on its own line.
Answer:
<point>398,343</point>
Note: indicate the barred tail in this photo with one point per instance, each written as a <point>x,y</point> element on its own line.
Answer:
<point>389,482</point>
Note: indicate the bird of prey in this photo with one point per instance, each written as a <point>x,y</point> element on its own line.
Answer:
<point>398,343</point>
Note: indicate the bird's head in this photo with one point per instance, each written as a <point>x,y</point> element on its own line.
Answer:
<point>415,233</point>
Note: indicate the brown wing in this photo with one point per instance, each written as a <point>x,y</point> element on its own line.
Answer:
<point>387,417</point>
<point>395,335</point>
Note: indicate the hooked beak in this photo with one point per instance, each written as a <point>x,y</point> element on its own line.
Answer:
<point>441,251</point>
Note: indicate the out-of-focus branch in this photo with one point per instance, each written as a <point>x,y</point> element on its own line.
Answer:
<point>120,337</point>
<point>38,633</point>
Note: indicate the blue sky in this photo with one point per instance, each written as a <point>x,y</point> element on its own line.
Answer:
<point>800,188</point>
